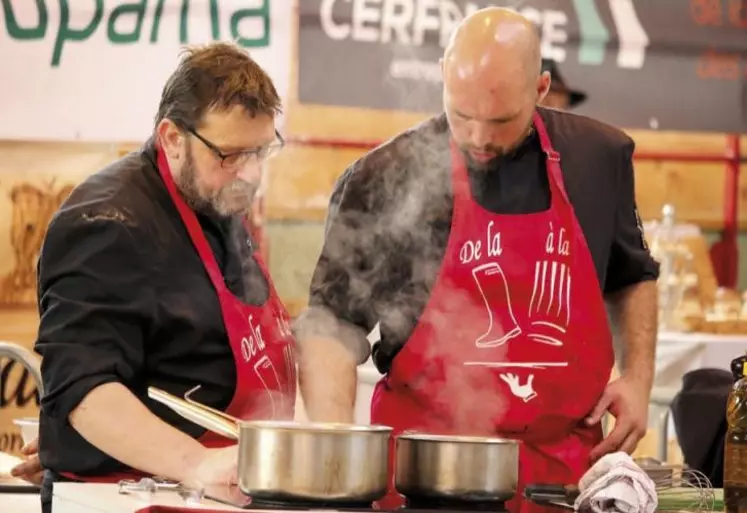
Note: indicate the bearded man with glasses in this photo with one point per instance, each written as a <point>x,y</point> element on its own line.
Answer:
<point>149,278</point>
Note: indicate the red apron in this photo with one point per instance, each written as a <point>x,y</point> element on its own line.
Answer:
<point>514,340</point>
<point>260,336</point>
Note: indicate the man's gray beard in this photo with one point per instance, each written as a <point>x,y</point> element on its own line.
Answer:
<point>232,199</point>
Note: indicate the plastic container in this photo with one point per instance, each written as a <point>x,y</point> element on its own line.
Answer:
<point>29,428</point>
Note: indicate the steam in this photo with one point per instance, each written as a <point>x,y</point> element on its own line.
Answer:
<point>398,201</point>
<point>469,396</point>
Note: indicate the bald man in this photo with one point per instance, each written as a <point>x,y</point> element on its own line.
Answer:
<point>484,242</point>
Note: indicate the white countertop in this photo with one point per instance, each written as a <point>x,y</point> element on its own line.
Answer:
<point>20,503</point>
<point>105,498</point>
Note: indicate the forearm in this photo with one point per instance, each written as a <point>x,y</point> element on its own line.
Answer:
<point>112,419</point>
<point>328,379</point>
<point>634,315</point>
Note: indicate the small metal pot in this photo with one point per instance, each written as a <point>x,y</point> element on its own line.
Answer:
<point>286,460</point>
<point>456,467</point>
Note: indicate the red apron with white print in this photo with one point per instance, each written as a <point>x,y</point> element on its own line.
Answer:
<point>260,336</point>
<point>514,340</point>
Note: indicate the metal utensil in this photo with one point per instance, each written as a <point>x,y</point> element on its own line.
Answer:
<point>286,460</point>
<point>456,467</point>
<point>191,494</point>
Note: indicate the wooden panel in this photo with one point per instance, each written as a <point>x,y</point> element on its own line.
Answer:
<point>301,179</point>
<point>19,325</point>
<point>696,189</point>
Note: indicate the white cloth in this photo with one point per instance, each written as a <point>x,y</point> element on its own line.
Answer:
<point>615,484</point>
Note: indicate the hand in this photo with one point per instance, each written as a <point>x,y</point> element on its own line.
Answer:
<point>525,391</point>
<point>217,467</point>
<point>30,470</point>
<point>627,400</point>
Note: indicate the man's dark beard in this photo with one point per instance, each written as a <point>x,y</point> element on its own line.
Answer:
<point>186,182</point>
<point>499,152</point>
<point>474,164</point>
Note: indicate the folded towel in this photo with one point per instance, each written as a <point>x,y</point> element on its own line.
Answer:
<point>615,484</point>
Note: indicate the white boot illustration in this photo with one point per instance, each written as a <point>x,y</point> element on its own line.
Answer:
<point>269,377</point>
<point>491,282</point>
<point>525,392</point>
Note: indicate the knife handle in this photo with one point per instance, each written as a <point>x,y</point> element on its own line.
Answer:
<point>540,492</point>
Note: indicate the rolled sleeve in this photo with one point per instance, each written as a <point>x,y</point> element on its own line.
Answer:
<point>340,293</point>
<point>94,306</point>
<point>630,259</point>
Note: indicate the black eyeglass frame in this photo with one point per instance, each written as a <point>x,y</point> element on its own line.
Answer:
<point>275,146</point>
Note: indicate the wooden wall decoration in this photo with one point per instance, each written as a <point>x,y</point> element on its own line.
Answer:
<point>32,209</point>
<point>34,179</point>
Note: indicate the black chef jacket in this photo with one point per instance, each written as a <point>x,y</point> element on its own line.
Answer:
<point>124,297</point>
<point>390,215</point>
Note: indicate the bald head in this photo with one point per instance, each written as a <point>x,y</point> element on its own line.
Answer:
<point>492,82</point>
<point>495,43</point>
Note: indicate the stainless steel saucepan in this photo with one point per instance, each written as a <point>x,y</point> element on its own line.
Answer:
<point>286,460</point>
<point>456,467</point>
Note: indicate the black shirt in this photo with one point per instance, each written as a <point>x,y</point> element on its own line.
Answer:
<point>124,297</point>
<point>390,216</point>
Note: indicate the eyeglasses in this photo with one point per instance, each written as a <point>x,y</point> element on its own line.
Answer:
<point>238,159</point>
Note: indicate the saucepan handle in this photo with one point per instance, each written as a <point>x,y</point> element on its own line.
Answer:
<point>188,398</point>
<point>194,413</point>
<point>562,496</point>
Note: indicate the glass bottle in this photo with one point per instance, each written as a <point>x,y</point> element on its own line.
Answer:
<point>665,249</point>
<point>735,449</point>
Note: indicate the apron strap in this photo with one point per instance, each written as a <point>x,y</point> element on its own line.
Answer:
<point>191,224</point>
<point>552,157</point>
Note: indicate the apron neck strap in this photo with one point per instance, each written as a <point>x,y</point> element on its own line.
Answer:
<point>190,223</point>
<point>552,157</point>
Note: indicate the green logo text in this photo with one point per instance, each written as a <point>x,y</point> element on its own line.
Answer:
<point>136,11</point>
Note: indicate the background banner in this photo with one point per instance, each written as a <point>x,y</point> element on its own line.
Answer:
<point>93,70</point>
<point>661,64</point>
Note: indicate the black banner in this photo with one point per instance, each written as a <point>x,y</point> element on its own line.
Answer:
<point>661,64</point>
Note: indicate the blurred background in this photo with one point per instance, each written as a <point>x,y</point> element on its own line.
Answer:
<point>80,86</point>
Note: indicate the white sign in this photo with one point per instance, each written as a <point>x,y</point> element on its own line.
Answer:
<point>93,70</point>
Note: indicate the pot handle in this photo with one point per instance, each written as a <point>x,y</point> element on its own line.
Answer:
<point>563,496</point>
<point>201,417</point>
<point>188,398</point>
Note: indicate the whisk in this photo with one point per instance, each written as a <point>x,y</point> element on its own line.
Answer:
<point>683,489</point>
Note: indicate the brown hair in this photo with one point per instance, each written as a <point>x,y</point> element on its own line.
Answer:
<point>218,75</point>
